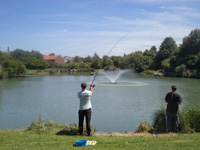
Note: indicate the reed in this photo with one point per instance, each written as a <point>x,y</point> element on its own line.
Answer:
<point>189,120</point>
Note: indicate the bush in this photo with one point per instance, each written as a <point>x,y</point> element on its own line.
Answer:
<point>184,121</point>
<point>44,127</point>
<point>189,120</point>
<point>3,75</point>
<point>143,127</point>
<point>51,127</point>
<point>159,121</point>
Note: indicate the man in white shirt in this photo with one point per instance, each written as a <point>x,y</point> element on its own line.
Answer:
<point>85,107</point>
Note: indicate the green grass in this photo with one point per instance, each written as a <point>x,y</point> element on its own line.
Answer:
<point>21,140</point>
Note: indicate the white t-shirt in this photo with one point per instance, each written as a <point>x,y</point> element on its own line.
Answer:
<point>84,97</point>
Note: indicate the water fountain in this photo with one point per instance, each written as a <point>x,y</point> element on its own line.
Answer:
<point>113,76</point>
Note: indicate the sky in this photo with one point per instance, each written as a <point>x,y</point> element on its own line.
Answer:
<point>84,27</point>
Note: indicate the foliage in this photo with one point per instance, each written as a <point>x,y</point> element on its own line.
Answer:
<point>183,60</point>
<point>44,127</point>
<point>143,127</point>
<point>107,62</point>
<point>189,120</point>
<point>159,122</point>
<point>51,127</point>
<point>180,70</point>
<point>13,68</point>
<point>191,43</point>
<point>167,49</point>
<point>136,61</point>
<point>96,63</point>
<point>34,63</point>
<point>77,59</point>
<point>32,60</point>
<point>19,53</point>
<point>165,64</point>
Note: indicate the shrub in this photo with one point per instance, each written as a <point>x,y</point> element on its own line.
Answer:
<point>51,127</point>
<point>189,120</point>
<point>44,127</point>
<point>143,127</point>
<point>159,121</point>
<point>184,121</point>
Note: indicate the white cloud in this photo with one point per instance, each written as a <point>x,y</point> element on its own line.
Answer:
<point>65,31</point>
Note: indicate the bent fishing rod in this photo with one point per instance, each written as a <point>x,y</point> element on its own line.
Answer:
<point>108,54</point>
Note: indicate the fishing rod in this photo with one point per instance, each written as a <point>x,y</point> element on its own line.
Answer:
<point>94,78</point>
<point>108,54</point>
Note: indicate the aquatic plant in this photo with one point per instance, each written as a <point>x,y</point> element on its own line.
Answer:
<point>159,122</point>
<point>189,120</point>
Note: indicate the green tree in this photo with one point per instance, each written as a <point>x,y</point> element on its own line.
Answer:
<point>149,57</point>
<point>96,62</point>
<point>190,50</point>
<point>52,54</point>
<point>167,49</point>
<point>180,70</point>
<point>165,64</point>
<point>87,59</point>
<point>13,68</point>
<point>136,61</point>
<point>191,43</point>
<point>77,59</point>
<point>107,62</point>
<point>151,53</point>
<point>118,61</point>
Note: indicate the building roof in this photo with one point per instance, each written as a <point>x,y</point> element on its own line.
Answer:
<point>50,57</point>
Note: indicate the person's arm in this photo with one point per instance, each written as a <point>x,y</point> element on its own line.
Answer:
<point>91,88</point>
<point>166,98</point>
<point>180,100</point>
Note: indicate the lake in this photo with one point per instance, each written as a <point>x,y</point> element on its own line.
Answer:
<point>115,108</point>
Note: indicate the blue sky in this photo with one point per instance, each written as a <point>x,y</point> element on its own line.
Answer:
<point>83,27</point>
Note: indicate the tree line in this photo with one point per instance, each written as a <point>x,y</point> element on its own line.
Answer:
<point>169,58</point>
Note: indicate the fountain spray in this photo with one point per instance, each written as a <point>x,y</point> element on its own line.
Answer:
<point>109,53</point>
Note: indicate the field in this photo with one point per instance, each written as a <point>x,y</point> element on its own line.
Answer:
<point>21,140</point>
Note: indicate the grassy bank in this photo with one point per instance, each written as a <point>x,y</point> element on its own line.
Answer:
<point>20,140</point>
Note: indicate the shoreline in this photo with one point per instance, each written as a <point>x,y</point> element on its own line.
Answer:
<point>111,134</point>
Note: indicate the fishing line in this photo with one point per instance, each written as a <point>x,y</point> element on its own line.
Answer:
<point>109,53</point>
<point>117,43</point>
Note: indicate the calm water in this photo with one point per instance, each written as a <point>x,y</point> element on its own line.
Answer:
<point>115,108</point>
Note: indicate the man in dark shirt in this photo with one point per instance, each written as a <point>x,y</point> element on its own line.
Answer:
<point>173,101</point>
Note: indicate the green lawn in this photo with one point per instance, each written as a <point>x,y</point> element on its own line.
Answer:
<point>20,140</point>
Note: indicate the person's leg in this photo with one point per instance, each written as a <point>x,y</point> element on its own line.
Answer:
<point>175,122</point>
<point>169,122</point>
<point>88,119</point>
<point>81,119</point>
